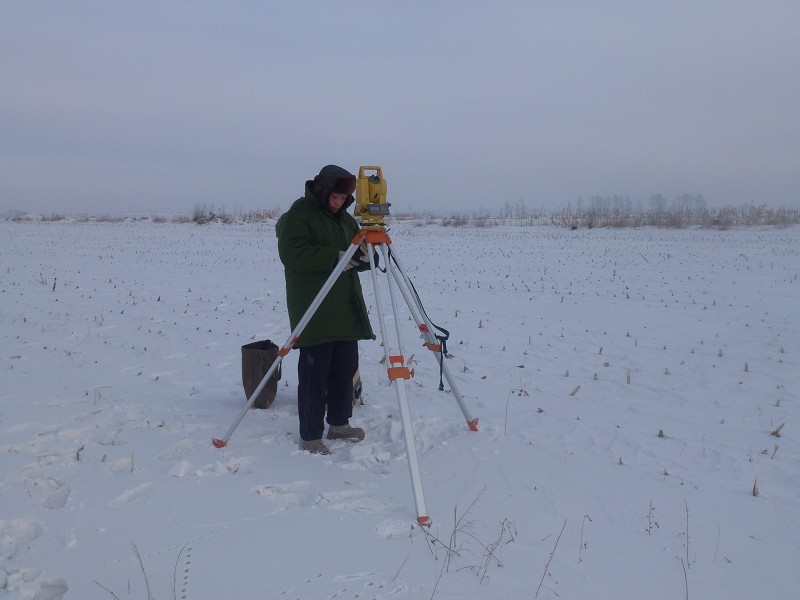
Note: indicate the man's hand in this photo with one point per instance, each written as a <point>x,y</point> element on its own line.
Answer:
<point>350,263</point>
<point>362,253</point>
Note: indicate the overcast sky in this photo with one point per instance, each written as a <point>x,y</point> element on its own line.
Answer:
<point>165,106</point>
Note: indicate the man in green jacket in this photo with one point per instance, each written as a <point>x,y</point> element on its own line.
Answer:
<point>312,235</point>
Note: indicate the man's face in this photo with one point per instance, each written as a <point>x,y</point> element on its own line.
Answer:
<point>335,201</point>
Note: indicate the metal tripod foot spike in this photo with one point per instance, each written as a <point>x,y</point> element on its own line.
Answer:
<point>398,372</point>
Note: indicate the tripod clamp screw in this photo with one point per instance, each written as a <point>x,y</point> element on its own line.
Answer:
<point>401,371</point>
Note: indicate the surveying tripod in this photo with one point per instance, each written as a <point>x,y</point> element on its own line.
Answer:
<point>374,236</point>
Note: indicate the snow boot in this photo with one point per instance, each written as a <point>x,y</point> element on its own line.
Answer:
<point>345,432</point>
<point>314,446</point>
<point>257,358</point>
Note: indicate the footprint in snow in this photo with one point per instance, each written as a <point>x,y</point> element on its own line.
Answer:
<point>52,589</point>
<point>132,494</point>
<point>296,493</point>
<point>356,501</point>
<point>58,498</point>
<point>178,450</point>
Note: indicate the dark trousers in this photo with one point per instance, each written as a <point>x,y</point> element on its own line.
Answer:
<point>325,376</point>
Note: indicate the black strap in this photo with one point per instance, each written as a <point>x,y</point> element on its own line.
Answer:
<point>445,334</point>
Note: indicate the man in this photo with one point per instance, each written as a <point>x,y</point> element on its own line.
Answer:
<point>312,236</point>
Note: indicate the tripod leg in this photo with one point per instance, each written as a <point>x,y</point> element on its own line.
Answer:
<point>426,328</point>
<point>290,341</point>
<point>411,452</point>
<point>398,372</point>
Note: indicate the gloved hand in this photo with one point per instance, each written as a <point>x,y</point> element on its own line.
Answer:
<point>362,253</point>
<point>350,263</point>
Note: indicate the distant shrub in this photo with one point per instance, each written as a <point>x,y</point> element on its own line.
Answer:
<point>455,221</point>
<point>108,218</point>
<point>258,216</point>
<point>615,212</point>
<point>483,222</point>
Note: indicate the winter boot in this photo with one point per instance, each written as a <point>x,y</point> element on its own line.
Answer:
<point>257,358</point>
<point>345,432</point>
<point>314,446</point>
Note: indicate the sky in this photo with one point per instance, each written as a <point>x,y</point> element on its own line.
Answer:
<point>467,106</point>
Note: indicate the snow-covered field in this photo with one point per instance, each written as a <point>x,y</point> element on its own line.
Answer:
<point>627,383</point>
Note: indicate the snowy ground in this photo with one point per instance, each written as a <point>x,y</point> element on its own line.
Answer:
<point>627,384</point>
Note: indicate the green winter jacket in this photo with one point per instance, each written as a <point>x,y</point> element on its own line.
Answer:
<point>309,241</point>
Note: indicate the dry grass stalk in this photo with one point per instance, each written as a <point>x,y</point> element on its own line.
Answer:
<point>144,573</point>
<point>547,565</point>
<point>583,544</point>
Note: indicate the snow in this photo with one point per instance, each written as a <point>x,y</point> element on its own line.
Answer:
<point>627,384</point>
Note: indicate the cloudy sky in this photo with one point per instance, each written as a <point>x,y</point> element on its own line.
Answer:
<point>165,106</point>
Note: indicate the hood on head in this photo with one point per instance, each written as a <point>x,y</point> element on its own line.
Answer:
<point>332,178</point>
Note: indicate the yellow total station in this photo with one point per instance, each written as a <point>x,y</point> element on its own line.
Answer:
<point>371,205</point>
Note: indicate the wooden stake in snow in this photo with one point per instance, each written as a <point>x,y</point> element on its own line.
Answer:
<point>575,391</point>
<point>777,432</point>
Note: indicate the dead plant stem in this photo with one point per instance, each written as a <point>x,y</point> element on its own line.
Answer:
<point>547,565</point>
